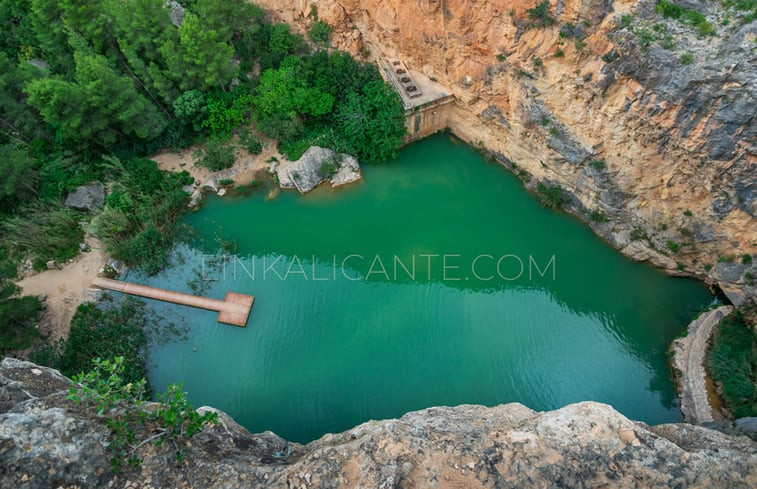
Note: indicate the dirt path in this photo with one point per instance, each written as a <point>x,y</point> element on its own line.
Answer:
<point>689,353</point>
<point>65,288</point>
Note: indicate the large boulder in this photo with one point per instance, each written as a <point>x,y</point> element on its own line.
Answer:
<point>87,197</point>
<point>316,165</point>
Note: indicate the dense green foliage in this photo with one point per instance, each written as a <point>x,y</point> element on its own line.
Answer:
<point>17,317</point>
<point>100,333</point>
<point>138,222</point>
<point>330,100</point>
<point>132,422</point>
<point>732,362</point>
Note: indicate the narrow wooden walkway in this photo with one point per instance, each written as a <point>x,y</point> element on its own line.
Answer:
<point>233,310</point>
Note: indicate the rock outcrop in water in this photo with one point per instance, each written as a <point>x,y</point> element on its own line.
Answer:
<point>648,126</point>
<point>314,166</point>
<point>45,441</point>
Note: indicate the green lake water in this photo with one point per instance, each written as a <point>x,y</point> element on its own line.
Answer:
<point>333,341</point>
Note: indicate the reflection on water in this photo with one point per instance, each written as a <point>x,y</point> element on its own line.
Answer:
<point>331,344</point>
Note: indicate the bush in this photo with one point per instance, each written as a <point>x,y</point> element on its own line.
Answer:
<point>215,155</point>
<point>43,232</point>
<point>132,422</point>
<point>249,142</point>
<point>672,245</point>
<point>732,362</point>
<point>746,259</point>
<point>598,164</point>
<point>551,195</point>
<point>540,15</point>
<point>330,166</point>
<point>320,33</point>
<point>226,182</point>
<point>598,216</point>
<point>138,223</point>
<point>228,110</point>
<point>686,16</point>
<point>18,316</point>
<point>98,332</point>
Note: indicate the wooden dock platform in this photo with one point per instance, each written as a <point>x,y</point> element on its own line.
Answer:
<point>233,310</point>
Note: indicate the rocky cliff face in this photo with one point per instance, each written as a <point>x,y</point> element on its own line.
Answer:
<point>638,118</point>
<point>47,442</point>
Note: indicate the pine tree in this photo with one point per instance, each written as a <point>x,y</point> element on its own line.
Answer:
<point>201,59</point>
<point>99,106</point>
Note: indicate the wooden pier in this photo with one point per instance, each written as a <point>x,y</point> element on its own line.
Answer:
<point>233,310</point>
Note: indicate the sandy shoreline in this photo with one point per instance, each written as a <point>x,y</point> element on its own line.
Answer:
<point>65,288</point>
<point>246,166</point>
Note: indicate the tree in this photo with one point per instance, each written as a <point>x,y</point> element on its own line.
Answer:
<point>201,59</point>
<point>17,38</point>
<point>97,107</point>
<point>230,18</point>
<point>370,123</point>
<point>320,33</point>
<point>285,92</point>
<point>18,121</point>
<point>142,27</point>
<point>19,176</point>
<point>51,35</point>
<point>191,109</point>
<point>216,155</point>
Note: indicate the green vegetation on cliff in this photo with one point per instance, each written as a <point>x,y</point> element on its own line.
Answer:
<point>732,362</point>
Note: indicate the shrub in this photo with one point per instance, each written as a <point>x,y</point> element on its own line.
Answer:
<point>133,422</point>
<point>100,332</point>
<point>686,16</point>
<point>672,245</point>
<point>249,142</point>
<point>540,15</point>
<point>551,195</point>
<point>598,164</point>
<point>580,45</point>
<point>559,53</point>
<point>688,213</point>
<point>610,57</point>
<point>226,182</point>
<point>216,155</point>
<point>43,232</point>
<point>320,33</point>
<point>598,216</point>
<point>626,20</point>
<point>18,316</point>
<point>228,110</point>
<point>138,222</point>
<point>686,59</point>
<point>746,259</point>
<point>330,166</point>
<point>638,233</point>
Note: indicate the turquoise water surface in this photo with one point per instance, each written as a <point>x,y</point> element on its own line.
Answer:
<point>332,342</point>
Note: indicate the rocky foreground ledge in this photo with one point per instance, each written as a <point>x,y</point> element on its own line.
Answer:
<point>47,442</point>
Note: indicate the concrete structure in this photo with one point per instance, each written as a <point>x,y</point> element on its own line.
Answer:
<point>233,310</point>
<point>426,102</point>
